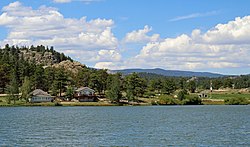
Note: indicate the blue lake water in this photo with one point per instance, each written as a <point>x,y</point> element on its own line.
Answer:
<point>125,126</point>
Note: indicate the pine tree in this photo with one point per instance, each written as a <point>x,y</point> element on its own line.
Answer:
<point>13,89</point>
<point>114,92</point>
<point>26,89</point>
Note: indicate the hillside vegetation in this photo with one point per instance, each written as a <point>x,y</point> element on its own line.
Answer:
<point>23,69</point>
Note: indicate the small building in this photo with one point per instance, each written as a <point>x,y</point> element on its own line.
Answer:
<point>85,94</point>
<point>203,95</point>
<point>39,95</point>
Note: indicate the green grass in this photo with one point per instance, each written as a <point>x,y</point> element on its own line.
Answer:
<point>230,95</point>
<point>225,95</point>
<point>87,104</point>
<point>213,102</point>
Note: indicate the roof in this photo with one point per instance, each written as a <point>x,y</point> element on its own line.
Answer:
<point>84,88</point>
<point>39,92</point>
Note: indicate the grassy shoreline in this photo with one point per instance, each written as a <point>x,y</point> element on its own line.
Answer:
<point>72,104</point>
<point>215,99</point>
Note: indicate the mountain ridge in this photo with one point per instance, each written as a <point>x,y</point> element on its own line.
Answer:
<point>169,73</point>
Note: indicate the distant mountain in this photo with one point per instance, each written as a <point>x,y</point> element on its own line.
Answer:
<point>169,73</point>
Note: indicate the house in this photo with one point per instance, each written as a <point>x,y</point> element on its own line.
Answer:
<point>39,95</point>
<point>85,94</point>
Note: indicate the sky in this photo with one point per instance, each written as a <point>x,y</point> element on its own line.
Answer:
<point>193,35</point>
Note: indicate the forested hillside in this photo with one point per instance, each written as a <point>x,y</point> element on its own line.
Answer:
<point>43,68</point>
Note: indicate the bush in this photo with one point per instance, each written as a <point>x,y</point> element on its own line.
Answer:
<point>181,95</point>
<point>58,104</point>
<point>149,94</point>
<point>192,101</point>
<point>154,102</point>
<point>236,101</point>
<point>167,100</point>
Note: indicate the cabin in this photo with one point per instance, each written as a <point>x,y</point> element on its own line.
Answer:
<point>85,94</point>
<point>38,96</point>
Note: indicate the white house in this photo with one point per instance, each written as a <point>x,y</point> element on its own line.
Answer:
<point>85,91</point>
<point>85,94</point>
<point>39,95</point>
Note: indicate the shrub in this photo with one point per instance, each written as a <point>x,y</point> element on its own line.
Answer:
<point>58,104</point>
<point>181,95</point>
<point>236,101</point>
<point>154,102</point>
<point>167,100</point>
<point>192,101</point>
<point>149,94</point>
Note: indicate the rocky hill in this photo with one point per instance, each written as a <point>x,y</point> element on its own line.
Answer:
<point>46,58</point>
<point>42,55</point>
<point>73,67</point>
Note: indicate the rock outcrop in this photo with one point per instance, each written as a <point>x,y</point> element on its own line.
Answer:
<point>73,67</point>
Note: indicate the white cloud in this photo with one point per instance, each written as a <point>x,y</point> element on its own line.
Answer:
<point>140,36</point>
<point>61,1</point>
<point>93,42</point>
<point>234,32</point>
<point>106,65</point>
<point>194,15</point>
<point>47,26</point>
<point>225,46</point>
<point>108,55</point>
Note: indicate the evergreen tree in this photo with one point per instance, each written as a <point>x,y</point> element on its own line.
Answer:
<point>70,92</point>
<point>39,78</point>
<point>114,91</point>
<point>83,77</point>
<point>4,75</point>
<point>168,86</point>
<point>135,86</point>
<point>156,85</point>
<point>192,86</point>
<point>13,89</point>
<point>26,89</point>
<point>61,79</point>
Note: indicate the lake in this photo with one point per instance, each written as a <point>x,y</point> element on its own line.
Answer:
<point>125,126</point>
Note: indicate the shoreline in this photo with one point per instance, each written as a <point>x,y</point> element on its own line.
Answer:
<point>96,104</point>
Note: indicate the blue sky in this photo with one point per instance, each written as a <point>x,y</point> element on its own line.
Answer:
<point>180,35</point>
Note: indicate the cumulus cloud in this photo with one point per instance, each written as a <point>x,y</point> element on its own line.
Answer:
<point>107,65</point>
<point>108,55</point>
<point>140,36</point>
<point>234,32</point>
<point>224,46</point>
<point>93,42</point>
<point>47,26</point>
